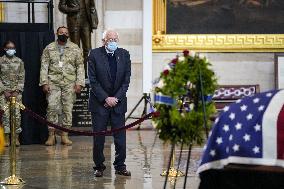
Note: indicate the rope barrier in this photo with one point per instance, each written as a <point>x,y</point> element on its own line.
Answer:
<point>85,133</point>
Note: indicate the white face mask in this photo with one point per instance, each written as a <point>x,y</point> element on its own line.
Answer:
<point>112,46</point>
<point>11,52</point>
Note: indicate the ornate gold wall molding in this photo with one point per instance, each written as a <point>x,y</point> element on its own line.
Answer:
<point>2,12</point>
<point>163,42</point>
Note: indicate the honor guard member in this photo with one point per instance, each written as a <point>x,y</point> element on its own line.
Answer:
<point>62,75</point>
<point>12,78</point>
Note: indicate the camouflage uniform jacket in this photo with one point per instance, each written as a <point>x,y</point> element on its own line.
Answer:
<point>62,69</point>
<point>12,74</point>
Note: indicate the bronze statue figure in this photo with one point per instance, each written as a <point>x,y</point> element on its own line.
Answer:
<point>82,18</point>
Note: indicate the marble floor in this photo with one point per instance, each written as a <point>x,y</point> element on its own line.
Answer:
<point>64,167</point>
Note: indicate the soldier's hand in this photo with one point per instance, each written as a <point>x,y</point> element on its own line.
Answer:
<point>46,88</point>
<point>7,94</point>
<point>77,88</point>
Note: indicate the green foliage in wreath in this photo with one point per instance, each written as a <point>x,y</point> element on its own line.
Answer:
<point>183,121</point>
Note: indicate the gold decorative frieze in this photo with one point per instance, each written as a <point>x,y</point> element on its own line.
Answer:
<point>163,42</point>
<point>2,12</point>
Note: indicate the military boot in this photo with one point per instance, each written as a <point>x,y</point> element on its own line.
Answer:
<point>51,141</point>
<point>7,140</point>
<point>65,140</point>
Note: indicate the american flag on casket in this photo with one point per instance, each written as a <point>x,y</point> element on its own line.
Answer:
<point>250,131</point>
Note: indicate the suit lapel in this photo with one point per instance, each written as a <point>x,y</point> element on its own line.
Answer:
<point>119,66</point>
<point>106,63</point>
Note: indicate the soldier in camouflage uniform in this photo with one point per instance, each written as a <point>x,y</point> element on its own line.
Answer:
<point>62,75</point>
<point>12,77</point>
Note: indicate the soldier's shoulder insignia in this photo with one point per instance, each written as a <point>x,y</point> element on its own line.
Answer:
<point>17,59</point>
<point>51,45</point>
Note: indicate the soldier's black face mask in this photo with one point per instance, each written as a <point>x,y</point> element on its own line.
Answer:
<point>63,38</point>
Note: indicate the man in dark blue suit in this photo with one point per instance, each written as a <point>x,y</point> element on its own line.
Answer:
<point>109,70</point>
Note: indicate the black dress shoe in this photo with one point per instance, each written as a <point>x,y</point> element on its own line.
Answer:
<point>123,172</point>
<point>99,170</point>
<point>99,173</point>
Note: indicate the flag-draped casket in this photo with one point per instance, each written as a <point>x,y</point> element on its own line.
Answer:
<point>249,132</point>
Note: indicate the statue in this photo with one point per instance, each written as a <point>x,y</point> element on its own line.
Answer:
<point>82,18</point>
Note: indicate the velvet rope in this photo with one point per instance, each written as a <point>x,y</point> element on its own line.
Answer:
<point>85,133</point>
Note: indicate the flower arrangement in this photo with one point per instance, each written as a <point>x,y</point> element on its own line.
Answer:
<point>178,100</point>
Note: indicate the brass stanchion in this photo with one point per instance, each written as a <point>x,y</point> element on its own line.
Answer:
<point>13,179</point>
<point>173,172</point>
<point>2,140</point>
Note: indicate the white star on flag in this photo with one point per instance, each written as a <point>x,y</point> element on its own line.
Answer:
<point>212,153</point>
<point>210,133</point>
<point>226,108</point>
<point>238,126</point>
<point>261,108</point>
<point>249,132</point>
<point>219,140</point>
<point>246,137</point>
<point>244,107</point>
<point>226,128</point>
<point>249,116</point>
<point>232,116</point>
<point>256,100</point>
<point>255,149</point>
<point>238,101</point>
<point>216,120</point>
<point>257,127</point>
<point>236,148</point>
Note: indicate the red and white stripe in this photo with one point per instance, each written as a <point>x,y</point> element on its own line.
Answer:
<point>273,128</point>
